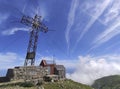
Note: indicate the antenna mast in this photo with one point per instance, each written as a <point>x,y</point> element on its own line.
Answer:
<point>36,25</point>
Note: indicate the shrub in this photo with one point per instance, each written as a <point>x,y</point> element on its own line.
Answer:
<point>27,84</point>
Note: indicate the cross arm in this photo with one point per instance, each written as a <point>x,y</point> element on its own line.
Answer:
<point>26,20</point>
<point>44,28</point>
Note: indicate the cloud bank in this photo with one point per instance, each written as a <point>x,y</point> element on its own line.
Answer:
<point>89,68</point>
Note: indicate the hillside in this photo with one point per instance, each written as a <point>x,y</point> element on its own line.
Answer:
<point>68,84</point>
<point>109,82</point>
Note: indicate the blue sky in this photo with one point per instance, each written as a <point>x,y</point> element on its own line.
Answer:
<point>84,29</point>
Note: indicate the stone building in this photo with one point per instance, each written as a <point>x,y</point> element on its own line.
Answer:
<point>60,71</point>
<point>50,66</point>
<point>54,69</point>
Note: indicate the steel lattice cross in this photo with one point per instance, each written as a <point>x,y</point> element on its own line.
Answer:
<point>36,26</point>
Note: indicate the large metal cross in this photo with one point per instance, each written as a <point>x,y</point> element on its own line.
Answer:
<point>36,24</point>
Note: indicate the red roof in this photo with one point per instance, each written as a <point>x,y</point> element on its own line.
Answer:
<point>46,62</point>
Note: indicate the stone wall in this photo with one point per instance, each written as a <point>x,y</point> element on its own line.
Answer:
<point>34,73</point>
<point>10,73</point>
<point>4,79</point>
<point>27,73</point>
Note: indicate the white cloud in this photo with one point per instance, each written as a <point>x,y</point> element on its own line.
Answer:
<point>10,60</point>
<point>13,30</point>
<point>95,10</point>
<point>4,57</point>
<point>90,68</point>
<point>111,18</point>
<point>108,34</point>
<point>71,18</point>
<point>112,12</point>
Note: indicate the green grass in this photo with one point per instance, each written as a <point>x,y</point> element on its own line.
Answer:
<point>17,85</point>
<point>67,84</point>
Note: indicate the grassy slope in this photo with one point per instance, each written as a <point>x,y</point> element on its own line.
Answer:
<point>110,82</point>
<point>68,84</point>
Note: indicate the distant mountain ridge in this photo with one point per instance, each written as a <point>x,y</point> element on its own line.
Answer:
<point>109,82</point>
